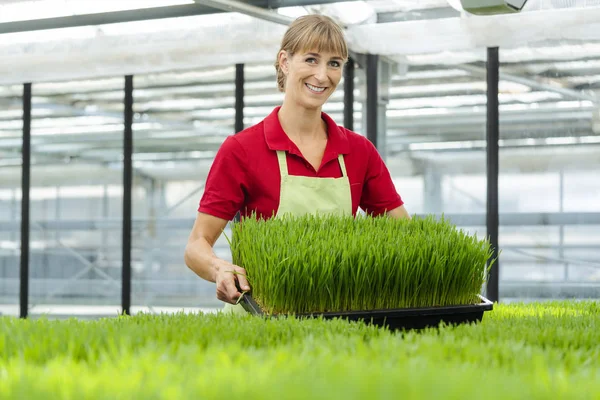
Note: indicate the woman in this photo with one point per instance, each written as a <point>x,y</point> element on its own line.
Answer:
<point>295,161</point>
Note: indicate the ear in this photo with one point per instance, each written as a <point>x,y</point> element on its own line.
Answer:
<point>284,57</point>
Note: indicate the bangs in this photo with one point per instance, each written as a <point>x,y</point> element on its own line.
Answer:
<point>323,38</point>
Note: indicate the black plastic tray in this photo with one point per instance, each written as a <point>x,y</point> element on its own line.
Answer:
<point>396,319</point>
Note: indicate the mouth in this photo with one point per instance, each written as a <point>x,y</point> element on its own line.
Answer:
<point>315,89</point>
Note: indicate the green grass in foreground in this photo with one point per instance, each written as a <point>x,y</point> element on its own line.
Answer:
<point>534,351</point>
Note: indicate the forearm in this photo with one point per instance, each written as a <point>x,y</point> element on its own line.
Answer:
<point>399,212</point>
<point>200,258</point>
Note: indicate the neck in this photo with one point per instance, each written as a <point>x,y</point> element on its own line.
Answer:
<point>300,123</point>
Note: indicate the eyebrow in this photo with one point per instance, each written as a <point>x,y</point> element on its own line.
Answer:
<point>318,55</point>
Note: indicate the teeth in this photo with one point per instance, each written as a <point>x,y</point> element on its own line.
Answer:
<point>314,88</point>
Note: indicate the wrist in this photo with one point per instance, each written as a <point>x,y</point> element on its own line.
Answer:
<point>214,268</point>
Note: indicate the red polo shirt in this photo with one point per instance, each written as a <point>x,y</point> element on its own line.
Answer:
<point>245,175</point>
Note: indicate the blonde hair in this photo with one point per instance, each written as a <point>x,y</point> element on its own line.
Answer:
<point>318,32</point>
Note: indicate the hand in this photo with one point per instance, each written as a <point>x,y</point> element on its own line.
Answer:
<point>227,275</point>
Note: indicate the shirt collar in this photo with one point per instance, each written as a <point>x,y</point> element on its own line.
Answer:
<point>337,141</point>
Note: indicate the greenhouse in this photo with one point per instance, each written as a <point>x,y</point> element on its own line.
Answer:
<point>462,256</point>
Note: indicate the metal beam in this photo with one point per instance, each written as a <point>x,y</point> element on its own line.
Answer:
<point>248,9</point>
<point>417,15</point>
<point>110,17</point>
<point>432,189</point>
<point>127,184</point>
<point>552,290</point>
<point>511,253</point>
<point>349,95</point>
<point>470,220</point>
<point>239,107</point>
<point>457,117</point>
<point>493,133</point>
<point>239,97</point>
<point>514,250</point>
<point>378,73</point>
<point>144,14</point>
<point>569,93</point>
<point>25,189</point>
<point>372,100</point>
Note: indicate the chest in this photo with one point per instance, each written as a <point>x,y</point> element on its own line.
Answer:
<point>313,153</point>
<point>264,189</point>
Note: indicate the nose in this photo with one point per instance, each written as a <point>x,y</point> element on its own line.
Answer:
<point>321,72</point>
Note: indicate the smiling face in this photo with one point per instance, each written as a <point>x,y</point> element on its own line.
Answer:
<point>310,61</point>
<point>310,76</point>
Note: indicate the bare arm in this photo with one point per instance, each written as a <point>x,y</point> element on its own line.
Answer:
<point>399,212</point>
<point>200,258</point>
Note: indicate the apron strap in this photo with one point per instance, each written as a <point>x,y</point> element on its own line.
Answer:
<point>282,163</point>
<point>342,165</point>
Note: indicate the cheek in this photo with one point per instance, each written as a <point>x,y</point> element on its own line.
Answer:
<point>335,78</point>
<point>302,73</point>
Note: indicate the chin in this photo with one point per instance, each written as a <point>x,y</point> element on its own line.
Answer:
<point>312,104</point>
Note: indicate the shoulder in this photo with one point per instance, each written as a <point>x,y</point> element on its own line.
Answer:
<point>353,137</point>
<point>357,142</point>
<point>251,133</point>
<point>347,141</point>
<point>243,141</point>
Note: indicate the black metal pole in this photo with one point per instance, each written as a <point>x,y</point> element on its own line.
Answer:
<point>372,96</point>
<point>493,133</point>
<point>349,95</point>
<point>25,189</point>
<point>127,184</point>
<point>239,107</point>
<point>239,97</point>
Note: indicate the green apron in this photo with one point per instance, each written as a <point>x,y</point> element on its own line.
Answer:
<point>300,195</point>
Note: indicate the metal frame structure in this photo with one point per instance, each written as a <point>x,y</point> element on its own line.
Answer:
<point>349,94</point>
<point>374,105</point>
<point>127,186</point>
<point>492,158</point>
<point>239,98</point>
<point>373,111</point>
<point>25,209</point>
<point>257,8</point>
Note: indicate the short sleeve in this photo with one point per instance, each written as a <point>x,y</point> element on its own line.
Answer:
<point>226,183</point>
<point>379,193</point>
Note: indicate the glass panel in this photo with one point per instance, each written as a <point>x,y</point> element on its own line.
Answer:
<point>436,139</point>
<point>76,197</point>
<point>549,175</point>
<point>11,136</point>
<point>188,114</point>
<point>436,135</point>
